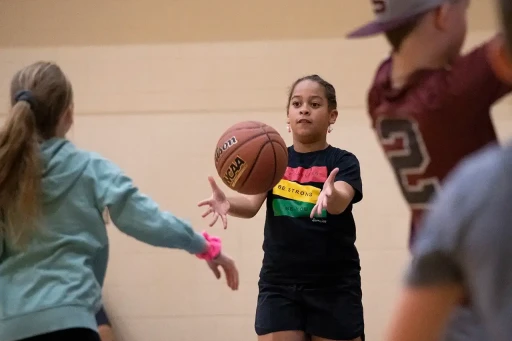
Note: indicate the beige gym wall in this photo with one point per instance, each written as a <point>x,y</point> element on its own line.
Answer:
<point>158,81</point>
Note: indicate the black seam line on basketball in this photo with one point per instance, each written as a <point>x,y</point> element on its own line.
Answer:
<point>285,150</point>
<point>256,160</point>
<point>227,155</point>
<point>275,156</point>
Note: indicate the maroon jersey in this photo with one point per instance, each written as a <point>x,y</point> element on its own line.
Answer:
<point>437,119</point>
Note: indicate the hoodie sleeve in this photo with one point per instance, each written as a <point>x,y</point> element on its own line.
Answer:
<point>139,216</point>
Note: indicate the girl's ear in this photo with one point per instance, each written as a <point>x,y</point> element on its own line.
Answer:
<point>333,115</point>
<point>500,59</point>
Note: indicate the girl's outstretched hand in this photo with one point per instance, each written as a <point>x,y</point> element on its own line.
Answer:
<point>217,204</point>
<point>325,194</point>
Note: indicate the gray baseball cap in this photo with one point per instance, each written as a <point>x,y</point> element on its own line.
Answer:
<point>390,14</point>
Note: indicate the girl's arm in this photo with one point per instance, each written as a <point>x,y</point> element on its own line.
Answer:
<point>139,216</point>
<point>245,206</point>
<point>342,196</point>
<point>241,206</point>
<point>342,187</point>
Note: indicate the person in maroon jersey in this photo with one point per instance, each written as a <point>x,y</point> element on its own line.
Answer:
<point>429,106</point>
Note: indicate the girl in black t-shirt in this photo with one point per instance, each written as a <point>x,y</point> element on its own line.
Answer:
<point>310,285</point>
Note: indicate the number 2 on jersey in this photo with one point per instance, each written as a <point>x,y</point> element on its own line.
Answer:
<point>406,151</point>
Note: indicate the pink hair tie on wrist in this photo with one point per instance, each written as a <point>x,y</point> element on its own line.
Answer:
<point>214,247</point>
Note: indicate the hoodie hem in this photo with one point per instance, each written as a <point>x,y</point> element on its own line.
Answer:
<point>46,321</point>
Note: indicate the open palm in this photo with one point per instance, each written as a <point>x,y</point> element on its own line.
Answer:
<point>217,204</point>
<point>325,194</point>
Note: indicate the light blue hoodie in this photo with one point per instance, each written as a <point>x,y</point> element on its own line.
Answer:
<point>56,283</point>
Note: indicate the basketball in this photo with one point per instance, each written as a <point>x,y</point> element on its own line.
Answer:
<point>251,157</point>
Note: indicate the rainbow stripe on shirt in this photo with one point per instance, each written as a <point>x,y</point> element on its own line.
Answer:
<point>292,197</point>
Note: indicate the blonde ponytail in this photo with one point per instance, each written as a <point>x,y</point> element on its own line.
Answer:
<point>20,175</point>
<point>40,95</point>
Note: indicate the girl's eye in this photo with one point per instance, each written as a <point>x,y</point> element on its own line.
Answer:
<point>315,105</point>
<point>296,104</point>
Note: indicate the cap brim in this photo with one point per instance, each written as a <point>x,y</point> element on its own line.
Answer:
<point>368,30</point>
<point>377,27</point>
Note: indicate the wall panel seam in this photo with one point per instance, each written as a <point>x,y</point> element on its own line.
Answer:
<point>269,110</point>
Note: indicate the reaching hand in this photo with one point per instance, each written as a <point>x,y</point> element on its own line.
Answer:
<point>217,204</point>
<point>326,192</point>
<point>229,267</point>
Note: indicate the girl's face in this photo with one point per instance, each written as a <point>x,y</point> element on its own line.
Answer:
<point>309,115</point>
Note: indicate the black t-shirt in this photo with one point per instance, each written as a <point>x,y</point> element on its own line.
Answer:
<point>299,249</point>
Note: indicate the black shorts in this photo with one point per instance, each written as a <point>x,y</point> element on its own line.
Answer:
<point>73,334</point>
<point>102,318</point>
<point>331,312</point>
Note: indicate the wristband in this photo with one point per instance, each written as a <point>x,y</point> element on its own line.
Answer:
<point>213,249</point>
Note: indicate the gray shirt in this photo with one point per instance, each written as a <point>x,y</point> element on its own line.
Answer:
<point>467,239</point>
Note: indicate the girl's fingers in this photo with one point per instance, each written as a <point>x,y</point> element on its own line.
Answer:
<point>207,213</point>
<point>215,218</point>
